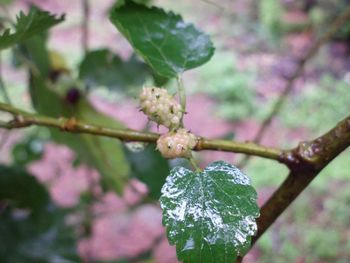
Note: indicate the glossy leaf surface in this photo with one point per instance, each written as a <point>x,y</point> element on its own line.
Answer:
<point>168,44</point>
<point>209,215</point>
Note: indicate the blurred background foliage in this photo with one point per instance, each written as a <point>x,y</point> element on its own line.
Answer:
<point>257,42</point>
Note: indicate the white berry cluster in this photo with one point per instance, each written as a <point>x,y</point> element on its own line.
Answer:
<point>176,144</point>
<point>161,107</point>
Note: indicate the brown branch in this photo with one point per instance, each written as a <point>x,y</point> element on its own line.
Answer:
<point>25,119</point>
<point>333,29</point>
<point>305,162</point>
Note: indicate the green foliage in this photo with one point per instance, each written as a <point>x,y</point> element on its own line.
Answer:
<point>307,229</point>
<point>326,11</point>
<point>6,2</point>
<point>22,189</point>
<point>104,154</point>
<point>320,106</point>
<point>27,151</point>
<point>263,172</point>
<point>35,22</point>
<point>270,12</point>
<point>143,167</point>
<point>31,228</point>
<point>103,68</point>
<point>168,44</point>
<point>325,248</point>
<point>209,215</point>
<point>231,88</point>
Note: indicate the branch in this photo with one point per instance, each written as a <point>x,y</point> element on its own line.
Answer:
<point>85,25</point>
<point>25,119</point>
<point>182,97</point>
<point>334,28</point>
<point>237,147</point>
<point>2,85</point>
<point>305,162</point>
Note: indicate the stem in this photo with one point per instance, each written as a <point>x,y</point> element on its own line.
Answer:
<point>194,164</point>
<point>2,85</point>
<point>238,147</point>
<point>182,96</point>
<point>221,8</point>
<point>3,139</point>
<point>85,25</point>
<point>333,29</point>
<point>25,119</point>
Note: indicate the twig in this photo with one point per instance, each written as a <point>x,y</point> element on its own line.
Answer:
<point>334,28</point>
<point>305,162</point>
<point>2,85</point>
<point>25,119</point>
<point>3,139</point>
<point>219,7</point>
<point>182,96</point>
<point>85,25</point>
<point>238,147</point>
<point>194,164</point>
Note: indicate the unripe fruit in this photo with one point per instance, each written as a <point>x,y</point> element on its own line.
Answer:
<point>161,107</point>
<point>176,144</point>
<point>73,95</point>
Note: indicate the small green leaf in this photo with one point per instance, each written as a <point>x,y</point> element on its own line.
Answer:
<point>209,215</point>
<point>168,44</point>
<point>35,22</point>
<point>103,68</point>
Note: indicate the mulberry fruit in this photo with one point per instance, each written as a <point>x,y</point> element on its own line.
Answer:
<point>176,144</point>
<point>161,107</point>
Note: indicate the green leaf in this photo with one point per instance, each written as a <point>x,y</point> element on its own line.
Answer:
<point>103,68</point>
<point>35,22</point>
<point>104,154</point>
<point>149,167</point>
<point>32,228</point>
<point>24,190</point>
<point>209,215</point>
<point>168,44</point>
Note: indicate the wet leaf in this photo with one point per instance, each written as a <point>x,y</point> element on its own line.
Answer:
<point>209,215</point>
<point>168,44</point>
<point>35,22</point>
<point>103,68</point>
